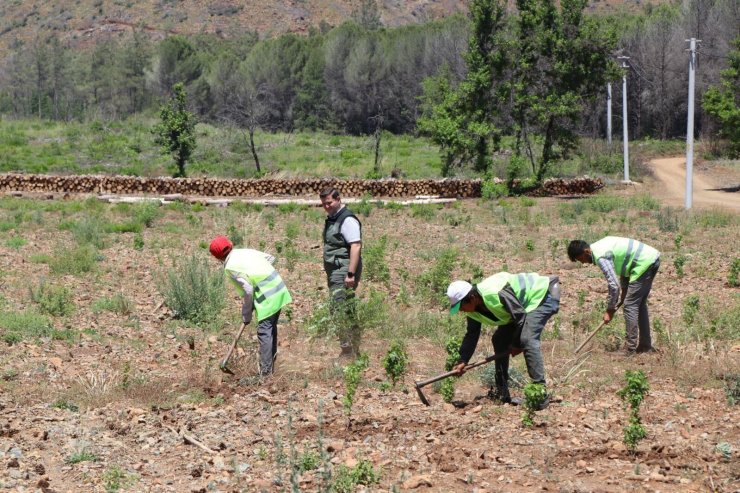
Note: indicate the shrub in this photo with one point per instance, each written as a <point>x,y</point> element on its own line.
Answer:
<point>17,326</point>
<point>194,291</point>
<point>534,396</point>
<point>395,361</point>
<point>346,479</point>
<point>678,263</point>
<point>424,212</point>
<point>138,241</point>
<point>725,325</point>
<point>52,300</point>
<point>690,309</point>
<point>374,265</point>
<point>491,190</point>
<point>732,276</point>
<point>447,387</point>
<point>667,219</point>
<point>632,394</point>
<point>732,389</point>
<point>77,260</point>
<point>432,284</point>
<point>90,230</point>
<point>361,314</point>
<point>352,377</point>
<point>146,214</point>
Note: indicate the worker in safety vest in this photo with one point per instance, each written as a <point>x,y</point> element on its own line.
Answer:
<point>262,289</point>
<point>342,264</point>
<point>630,267</point>
<point>519,305</point>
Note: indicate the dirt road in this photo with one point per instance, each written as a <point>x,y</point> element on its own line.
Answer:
<point>671,176</point>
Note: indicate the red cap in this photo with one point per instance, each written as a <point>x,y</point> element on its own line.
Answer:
<point>221,247</point>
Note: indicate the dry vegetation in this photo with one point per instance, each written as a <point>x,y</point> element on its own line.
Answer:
<point>104,390</point>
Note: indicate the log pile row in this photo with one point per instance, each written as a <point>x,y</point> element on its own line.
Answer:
<point>219,187</point>
<point>561,186</point>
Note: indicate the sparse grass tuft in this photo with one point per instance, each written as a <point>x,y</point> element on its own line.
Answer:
<point>81,456</point>
<point>118,303</point>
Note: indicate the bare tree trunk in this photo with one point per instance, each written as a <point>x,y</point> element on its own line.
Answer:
<point>253,148</point>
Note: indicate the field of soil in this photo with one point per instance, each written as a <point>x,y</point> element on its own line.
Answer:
<point>131,398</point>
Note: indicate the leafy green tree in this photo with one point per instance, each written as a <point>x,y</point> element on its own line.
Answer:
<point>723,102</point>
<point>176,132</point>
<point>562,61</point>
<point>177,61</point>
<point>461,120</point>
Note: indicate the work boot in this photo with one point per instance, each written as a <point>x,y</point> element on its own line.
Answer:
<point>646,350</point>
<point>502,396</point>
<point>545,403</point>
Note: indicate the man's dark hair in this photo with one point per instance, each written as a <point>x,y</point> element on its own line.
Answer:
<point>329,191</point>
<point>576,248</point>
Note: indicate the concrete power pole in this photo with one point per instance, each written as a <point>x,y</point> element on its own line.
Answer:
<point>609,114</point>
<point>690,126</point>
<point>625,122</point>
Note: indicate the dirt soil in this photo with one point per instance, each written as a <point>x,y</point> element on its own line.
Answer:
<point>135,392</point>
<point>720,188</point>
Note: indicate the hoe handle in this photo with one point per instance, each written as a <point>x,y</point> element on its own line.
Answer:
<point>233,345</point>
<point>596,331</point>
<point>424,383</point>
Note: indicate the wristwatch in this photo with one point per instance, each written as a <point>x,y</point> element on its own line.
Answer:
<point>350,274</point>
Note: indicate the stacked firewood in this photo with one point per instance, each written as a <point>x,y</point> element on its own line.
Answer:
<point>575,186</point>
<point>219,187</point>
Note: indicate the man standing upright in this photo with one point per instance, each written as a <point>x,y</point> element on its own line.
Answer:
<point>342,262</point>
<point>630,266</point>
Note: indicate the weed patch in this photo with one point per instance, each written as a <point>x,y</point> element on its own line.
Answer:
<point>118,303</point>
<point>194,291</point>
<point>375,267</point>
<point>75,261</point>
<point>52,300</point>
<point>17,326</point>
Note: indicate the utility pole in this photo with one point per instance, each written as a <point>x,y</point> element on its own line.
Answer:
<point>625,122</point>
<point>690,126</point>
<point>609,114</point>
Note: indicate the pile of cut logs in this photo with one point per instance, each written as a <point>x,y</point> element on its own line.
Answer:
<point>219,187</point>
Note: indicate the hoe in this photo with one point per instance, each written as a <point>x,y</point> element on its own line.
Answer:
<point>595,331</point>
<point>225,361</point>
<point>424,383</point>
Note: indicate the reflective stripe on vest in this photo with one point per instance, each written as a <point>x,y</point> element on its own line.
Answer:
<point>530,289</point>
<point>270,293</point>
<point>488,289</point>
<point>631,257</point>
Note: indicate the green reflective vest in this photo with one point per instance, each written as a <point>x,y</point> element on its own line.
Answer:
<point>270,293</point>
<point>336,250</point>
<point>631,257</point>
<point>530,289</point>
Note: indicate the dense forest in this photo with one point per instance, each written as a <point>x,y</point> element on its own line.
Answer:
<point>359,77</point>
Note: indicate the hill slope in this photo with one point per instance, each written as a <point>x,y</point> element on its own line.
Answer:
<point>86,21</point>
